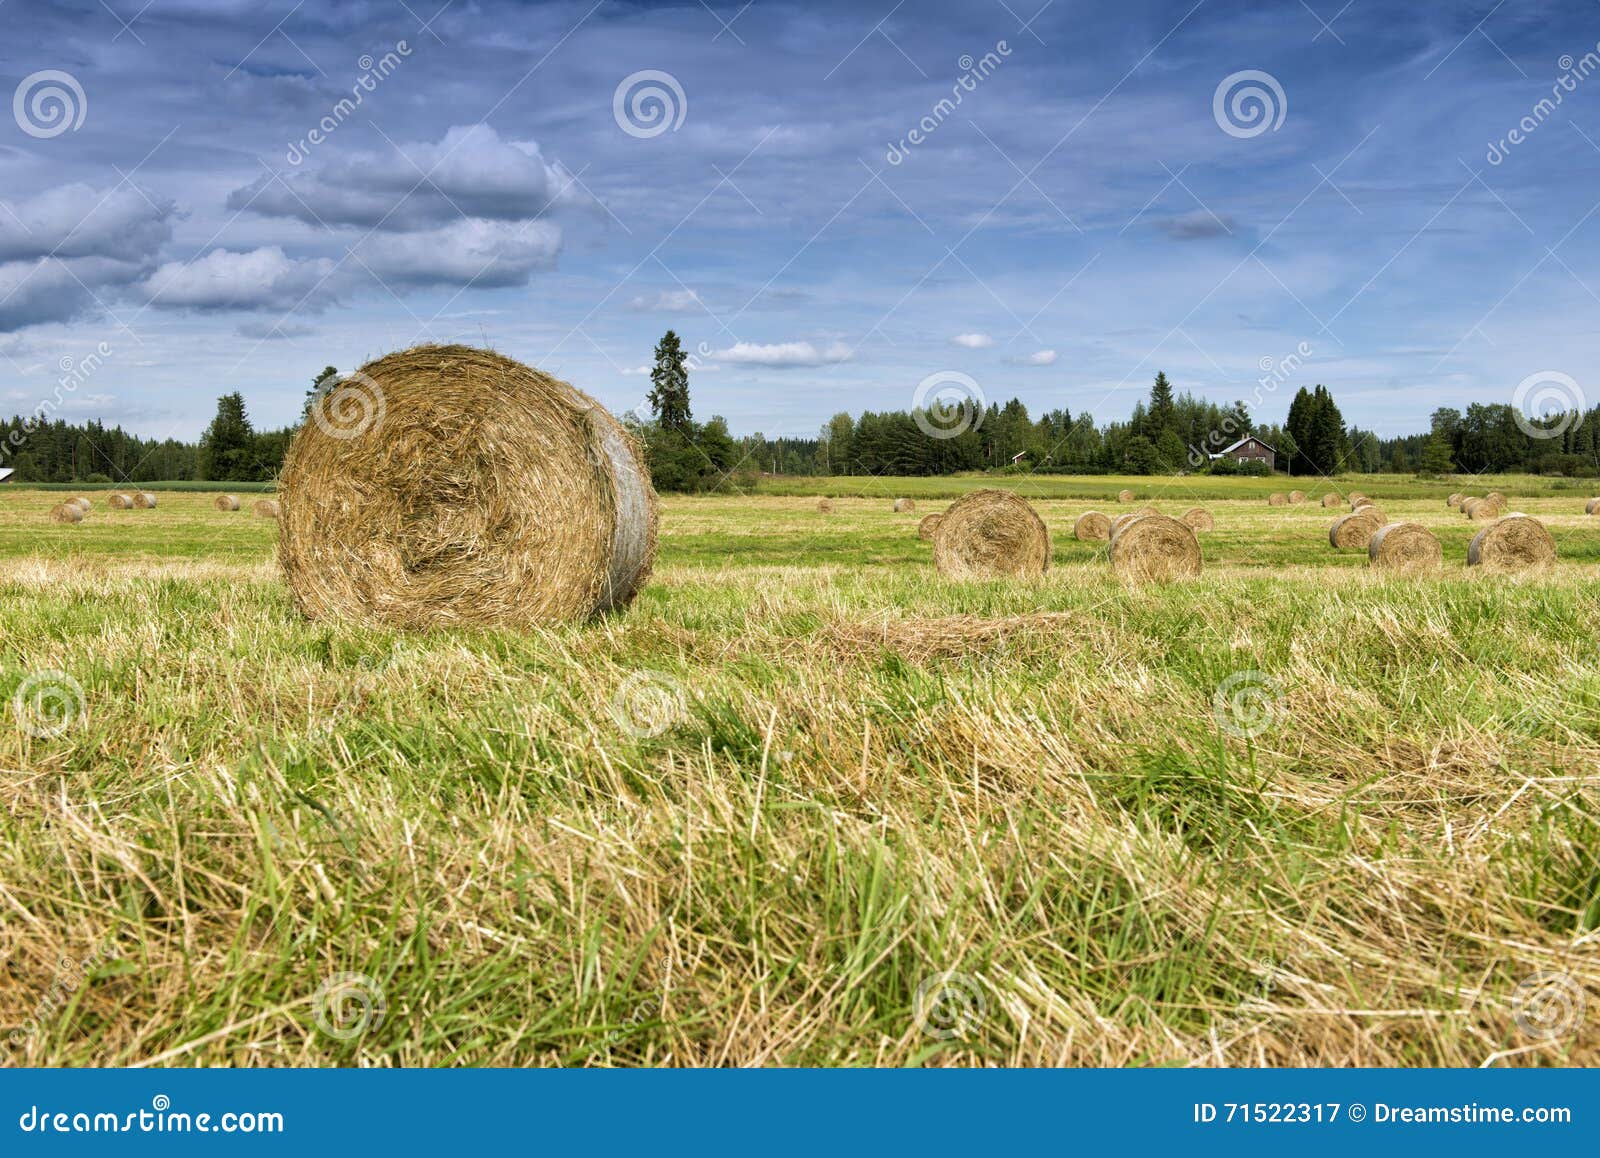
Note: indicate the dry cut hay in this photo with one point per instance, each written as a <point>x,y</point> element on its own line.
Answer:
<point>825,506</point>
<point>1591,506</point>
<point>144,500</point>
<point>1454,500</point>
<point>84,504</point>
<point>66,513</point>
<point>1358,500</point>
<point>1123,520</point>
<point>991,533</point>
<point>1297,496</point>
<point>265,509</point>
<point>120,502</point>
<point>1199,519</point>
<point>1332,499</point>
<point>1496,497</point>
<point>1125,496</point>
<point>1514,543</point>
<point>903,505</point>
<point>928,525</point>
<point>1487,507</point>
<point>445,485</point>
<point>1278,499</point>
<point>1155,549</point>
<point>1407,547</point>
<point>226,502</point>
<point>1092,526</point>
<point>1354,531</point>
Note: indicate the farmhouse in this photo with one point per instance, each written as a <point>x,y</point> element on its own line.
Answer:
<point>1249,449</point>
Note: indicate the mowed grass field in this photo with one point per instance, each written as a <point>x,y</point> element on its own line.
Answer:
<point>805,803</point>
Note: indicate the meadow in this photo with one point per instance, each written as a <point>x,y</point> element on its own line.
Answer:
<point>806,803</point>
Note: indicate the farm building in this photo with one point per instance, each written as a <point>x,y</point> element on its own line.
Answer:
<point>1249,449</point>
<point>5,473</point>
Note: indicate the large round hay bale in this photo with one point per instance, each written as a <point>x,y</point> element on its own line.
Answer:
<point>1092,527</point>
<point>901,506</point>
<point>1454,500</point>
<point>1123,520</point>
<point>991,533</point>
<point>1514,543</point>
<point>444,485</point>
<point>144,500</point>
<point>1125,496</point>
<point>1155,549</point>
<point>83,504</point>
<point>825,506</point>
<point>1199,519</point>
<point>1297,496</point>
<point>66,513</point>
<point>226,502</point>
<point>1354,531</point>
<point>265,509</point>
<point>1408,547</point>
<point>1332,499</point>
<point>1496,497</point>
<point>1277,499</point>
<point>1591,506</point>
<point>928,525</point>
<point>120,502</point>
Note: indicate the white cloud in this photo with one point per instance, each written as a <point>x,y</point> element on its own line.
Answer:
<point>468,252</point>
<point>973,341</point>
<point>667,301</point>
<point>1042,358</point>
<point>258,279</point>
<point>782,355</point>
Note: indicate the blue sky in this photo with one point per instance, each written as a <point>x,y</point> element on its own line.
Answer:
<point>1084,217</point>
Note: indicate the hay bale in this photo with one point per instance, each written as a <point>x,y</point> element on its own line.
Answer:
<point>144,500</point>
<point>901,506</point>
<point>1199,519</point>
<point>66,513</point>
<point>1155,549</point>
<point>1591,506</point>
<point>226,502</point>
<point>83,504</point>
<point>265,509</point>
<point>1354,531</point>
<point>1496,497</point>
<point>928,525</point>
<point>120,502</point>
<point>1486,508</point>
<point>990,533</point>
<point>1123,520</point>
<point>1407,547</point>
<point>1297,496</point>
<point>825,506</point>
<point>1277,499</point>
<point>1332,499</point>
<point>1358,500</point>
<point>1514,543</point>
<point>1092,527</point>
<point>1454,500</point>
<point>1125,496</point>
<point>447,485</point>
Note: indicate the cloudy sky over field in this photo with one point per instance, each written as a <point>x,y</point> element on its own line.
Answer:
<point>181,182</point>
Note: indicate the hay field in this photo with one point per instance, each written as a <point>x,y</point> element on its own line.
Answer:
<point>807,803</point>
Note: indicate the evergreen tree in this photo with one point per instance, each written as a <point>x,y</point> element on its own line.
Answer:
<point>1160,417</point>
<point>227,449</point>
<point>325,380</point>
<point>669,385</point>
<point>1435,455</point>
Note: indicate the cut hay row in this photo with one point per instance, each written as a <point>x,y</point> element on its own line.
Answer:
<point>901,506</point>
<point>1353,532</point>
<point>226,502</point>
<point>928,525</point>
<point>825,506</point>
<point>1199,519</point>
<point>1154,549</point>
<point>1092,527</point>
<point>452,485</point>
<point>66,513</point>
<point>989,534</point>
<point>1514,543</point>
<point>1332,499</point>
<point>1405,547</point>
<point>266,509</point>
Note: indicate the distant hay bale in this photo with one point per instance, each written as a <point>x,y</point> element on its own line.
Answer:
<point>1278,499</point>
<point>901,506</point>
<point>1155,549</point>
<point>1487,507</point>
<point>120,502</point>
<point>1407,547</point>
<point>1454,500</point>
<point>85,505</point>
<point>265,509</point>
<point>226,502</point>
<point>144,500</point>
<point>1199,519</point>
<point>1357,500</point>
<point>1092,527</point>
<point>1125,496</point>
<point>1496,497</point>
<point>1332,499</point>
<point>988,534</point>
<point>1514,543</point>
<point>66,513</point>
<point>1591,506</point>
<point>825,506</point>
<point>1297,496</point>
<point>928,525</point>
<point>446,485</point>
<point>1354,531</point>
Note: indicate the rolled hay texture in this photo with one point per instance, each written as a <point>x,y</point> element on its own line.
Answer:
<point>226,502</point>
<point>66,513</point>
<point>1155,549</point>
<point>144,500</point>
<point>901,506</point>
<point>1485,508</point>
<point>1453,501</point>
<point>825,506</point>
<point>928,525</point>
<point>1357,500</point>
<point>448,485</point>
<point>1278,499</point>
<point>266,509</point>
<point>1297,496</point>
<point>83,504</point>
<point>1123,520</point>
<point>1407,547</point>
<point>989,534</point>
<point>1199,519</point>
<point>1591,506</point>
<point>120,502</point>
<point>1332,499</point>
<point>1514,543</point>
<point>1496,497</point>
<point>1353,532</point>
<point>1092,527</point>
<point>1125,496</point>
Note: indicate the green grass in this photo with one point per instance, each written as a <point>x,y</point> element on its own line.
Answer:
<point>866,779</point>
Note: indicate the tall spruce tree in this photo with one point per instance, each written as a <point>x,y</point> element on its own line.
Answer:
<point>227,449</point>
<point>669,385</point>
